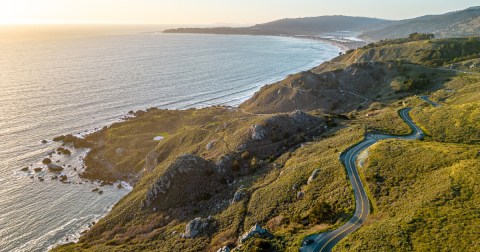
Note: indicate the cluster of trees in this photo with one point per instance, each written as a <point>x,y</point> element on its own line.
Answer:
<point>454,51</point>
<point>416,84</point>
<point>420,36</point>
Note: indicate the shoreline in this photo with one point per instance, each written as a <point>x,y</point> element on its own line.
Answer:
<point>126,116</point>
<point>344,46</point>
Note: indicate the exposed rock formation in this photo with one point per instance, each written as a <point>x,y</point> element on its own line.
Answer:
<point>240,194</point>
<point>258,132</point>
<point>54,168</point>
<point>198,226</point>
<point>187,167</point>
<point>210,145</point>
<point>255,230</point>
<point>313,176</point>
<point>224,249</point>
<point>119,151</point>
<point>300,195</point>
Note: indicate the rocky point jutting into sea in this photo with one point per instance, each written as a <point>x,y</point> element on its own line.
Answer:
<point>78,80</point>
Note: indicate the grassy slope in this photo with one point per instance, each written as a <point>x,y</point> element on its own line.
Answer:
<point>458,121</point>
<point>276,196</point>
<point>424,52</point>
<point>184,132</point>
<point>422,202</point>
<point>427,193</point>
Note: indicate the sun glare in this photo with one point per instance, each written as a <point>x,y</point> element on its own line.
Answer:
<point>28,12</point>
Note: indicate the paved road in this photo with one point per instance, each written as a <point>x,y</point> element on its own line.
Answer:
<point>326,241</point>
<point>425,98</point>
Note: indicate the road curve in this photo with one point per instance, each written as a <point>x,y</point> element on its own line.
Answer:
<point>326,241</point>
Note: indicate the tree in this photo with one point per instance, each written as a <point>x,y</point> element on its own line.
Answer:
<point>421,36</point>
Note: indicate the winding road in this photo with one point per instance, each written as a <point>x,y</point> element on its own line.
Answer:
<point>326,241</point>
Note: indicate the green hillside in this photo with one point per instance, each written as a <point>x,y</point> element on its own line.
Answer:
<point>269,163</point>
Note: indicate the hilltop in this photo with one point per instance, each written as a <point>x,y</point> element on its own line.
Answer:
<point>274,161</point>
<point>338,29</point>
<point>449,25</point>
<point>294,26</point>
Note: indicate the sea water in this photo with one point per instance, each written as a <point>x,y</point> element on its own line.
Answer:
<point>65,80</point>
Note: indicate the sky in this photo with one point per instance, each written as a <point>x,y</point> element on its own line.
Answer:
<point>205,12</point>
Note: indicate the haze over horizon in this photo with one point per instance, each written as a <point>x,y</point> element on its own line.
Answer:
<point>209,12</point>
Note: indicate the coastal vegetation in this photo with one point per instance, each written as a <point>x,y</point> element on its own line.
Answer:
<point>424,193</point>
<point>219,171</point>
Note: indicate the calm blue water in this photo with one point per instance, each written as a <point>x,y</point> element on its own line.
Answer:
<point>69,84</point>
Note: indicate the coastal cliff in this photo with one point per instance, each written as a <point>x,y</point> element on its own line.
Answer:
<point>267,174</point>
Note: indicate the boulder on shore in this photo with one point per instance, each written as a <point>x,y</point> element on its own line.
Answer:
<point>54,168</point>
<point>47,161</point>
<point>38,169</point>
<point>64,151</point>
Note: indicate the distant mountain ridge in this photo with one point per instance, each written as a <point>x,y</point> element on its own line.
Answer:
<point>297,26</point>
<point>322,24</point>
<point>453,24</point>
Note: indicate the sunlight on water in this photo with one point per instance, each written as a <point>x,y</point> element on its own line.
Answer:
<point>64,81</point>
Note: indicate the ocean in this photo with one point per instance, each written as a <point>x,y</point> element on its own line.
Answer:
<point>62,80</point>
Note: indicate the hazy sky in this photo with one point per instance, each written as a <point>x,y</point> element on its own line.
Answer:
<point>212,11</point>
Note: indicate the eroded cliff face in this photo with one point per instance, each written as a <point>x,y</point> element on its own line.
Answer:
<point>191,178</point>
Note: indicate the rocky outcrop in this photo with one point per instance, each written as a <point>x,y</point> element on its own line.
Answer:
<point>255,230</point>
<point>224,249</point>
<point>258,132</point>
<point>198,227</point>
<point>187,167</point>
<point>313,176</point>
<point>54,168</point>
<point>120,151</point>
<point>151,161</point>
<point>64,151</point>
<point>300,195</point>
<point>240,194</point>
<point>210,145</point>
